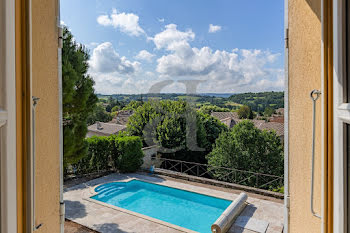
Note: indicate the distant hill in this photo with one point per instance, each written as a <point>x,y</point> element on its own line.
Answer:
<point>222,95</point>
<point>257,101</point>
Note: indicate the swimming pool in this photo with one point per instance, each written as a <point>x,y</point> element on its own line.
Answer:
<point>186,209</point>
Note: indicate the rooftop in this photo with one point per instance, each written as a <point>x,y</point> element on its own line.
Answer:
<point>231,118</point>
<point>106,128</point>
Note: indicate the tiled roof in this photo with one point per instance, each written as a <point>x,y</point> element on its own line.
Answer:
<point>229,122</point>
<point>231,118</point>
<point>280,111</point>
<point>106,128</point>
<point>122,117</point>
<point>225,115</point>
<point>278,127</point>
<point>277,118</point>
<point>228,118</point>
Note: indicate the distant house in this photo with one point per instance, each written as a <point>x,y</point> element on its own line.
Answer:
<point>277,118</point>
<point>104,129</point>
<point>276,126</point>
<point>230,119</point>
<point>122,117</point>
<point>280,111</point>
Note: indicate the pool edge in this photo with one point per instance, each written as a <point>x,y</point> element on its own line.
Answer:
<point>91,192</point>
<point>173,226</point>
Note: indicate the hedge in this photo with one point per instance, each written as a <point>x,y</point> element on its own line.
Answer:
<point>122,153</point>
<point>130,153</point>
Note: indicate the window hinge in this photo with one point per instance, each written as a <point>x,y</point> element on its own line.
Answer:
<point>287,202</point>
<point>286,38</point>
<point>60,37</point>
<point>62,212</point>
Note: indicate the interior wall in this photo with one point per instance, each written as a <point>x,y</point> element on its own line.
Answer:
<point>304,76</point>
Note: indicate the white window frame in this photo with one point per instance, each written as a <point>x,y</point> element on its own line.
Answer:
<point>8,214</point>
<point>341,111</point>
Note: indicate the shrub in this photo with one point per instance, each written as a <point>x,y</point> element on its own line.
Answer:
<point>130,153</point>
<point>120,152</point>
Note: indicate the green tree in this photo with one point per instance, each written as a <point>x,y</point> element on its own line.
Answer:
<point>208,109</point>
<point>171,125</point>
<point>269,111</point>
<point>247,148</point>
<point>79,99</point>
<point>213,128</point>
<point>133,105</point>
<point>111,103</point>
<point>99,114</point>
<point>245,112</point>
<point>115,108</point>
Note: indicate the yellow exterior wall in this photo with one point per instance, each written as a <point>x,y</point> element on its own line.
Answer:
<point>304,19</point>
<point>45,86</point>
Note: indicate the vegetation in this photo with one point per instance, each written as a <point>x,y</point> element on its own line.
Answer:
<point>245,112</point>
<point>269,111</point>
<point>247,148</point>
<point>208,109</point>
<point>122,153</point>
<point>259,101</point>
<point>178,129</point>
<point>256,101</point>
<point>79,99</point>
<point>99,114</point>
<point>130,153</point>
<point>133,105</point>
<point>113,103</point>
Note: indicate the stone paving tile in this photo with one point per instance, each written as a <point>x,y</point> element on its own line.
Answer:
<point>108,220</point>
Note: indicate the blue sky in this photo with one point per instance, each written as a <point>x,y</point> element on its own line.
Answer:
<point>229,45</point>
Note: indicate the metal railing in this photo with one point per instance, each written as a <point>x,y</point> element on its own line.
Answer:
<point>231,175</point>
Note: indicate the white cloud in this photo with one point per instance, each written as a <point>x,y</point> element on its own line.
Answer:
<point>171,38</point>
<point>105,59</point>
<point>145,55</point>
<point>214,28</point>
<point>125,22</point>
<point>223,71</point>
<point>161,20</point>
<point>238,70</point>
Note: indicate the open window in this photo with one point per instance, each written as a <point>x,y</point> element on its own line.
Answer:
<point>341,116</point>
<point>8,215</point>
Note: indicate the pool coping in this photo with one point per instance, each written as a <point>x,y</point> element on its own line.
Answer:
<point>87,195</point>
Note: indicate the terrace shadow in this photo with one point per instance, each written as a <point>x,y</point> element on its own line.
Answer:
<point>108,228</point>
<point>75,209</point>
<point>91,181</point>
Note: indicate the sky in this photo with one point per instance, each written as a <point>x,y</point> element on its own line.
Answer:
<point>226,46</point>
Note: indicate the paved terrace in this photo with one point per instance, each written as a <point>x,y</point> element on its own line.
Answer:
<point>263,214</point>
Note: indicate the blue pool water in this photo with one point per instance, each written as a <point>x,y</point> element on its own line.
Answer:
<point>191,210</point>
